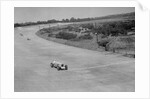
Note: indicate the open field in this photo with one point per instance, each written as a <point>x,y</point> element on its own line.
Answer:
<point>89,71</point>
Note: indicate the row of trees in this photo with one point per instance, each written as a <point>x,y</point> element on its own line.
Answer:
<point>128,15</point>
<point>35,23</point>
<point>52,21</point>
<point>77,20</point>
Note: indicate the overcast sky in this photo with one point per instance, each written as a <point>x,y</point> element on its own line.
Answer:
<point>32,14</point>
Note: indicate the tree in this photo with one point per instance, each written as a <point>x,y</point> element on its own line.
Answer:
<point>72,19</point>
<point>65,20</point>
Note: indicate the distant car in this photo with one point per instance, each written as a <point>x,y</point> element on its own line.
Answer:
<point>58,65</point>
<point>28,39</point>
<point>21,34</point>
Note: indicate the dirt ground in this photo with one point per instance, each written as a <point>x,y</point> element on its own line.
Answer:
<point>89,71</point>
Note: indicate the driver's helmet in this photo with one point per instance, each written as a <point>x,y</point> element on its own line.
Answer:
<point>54,62</point>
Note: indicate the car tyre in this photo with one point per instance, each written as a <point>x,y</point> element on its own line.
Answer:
<point>66,67</point>
<point>58,68</point>
<point>51,65</point>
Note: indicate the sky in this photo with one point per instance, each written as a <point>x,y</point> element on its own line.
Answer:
<point>33,14</point>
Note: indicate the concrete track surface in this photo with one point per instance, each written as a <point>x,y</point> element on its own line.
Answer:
<point>89,71</point>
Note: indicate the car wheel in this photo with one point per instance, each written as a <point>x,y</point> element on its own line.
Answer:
<point>58,68</point>
<point>51,65</point>
<point>66,67</point>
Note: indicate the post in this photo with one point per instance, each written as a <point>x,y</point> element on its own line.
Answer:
<point>96,34</point>
<point>96,37</point>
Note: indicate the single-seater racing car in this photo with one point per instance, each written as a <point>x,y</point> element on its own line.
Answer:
<point>58,65</point>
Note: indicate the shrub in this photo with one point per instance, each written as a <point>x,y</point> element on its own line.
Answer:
<point>42,32</point>
<point>121,43</point>
<point>89,26</point>
<point>87,36</point>
<point>103,42</point>
<point>50,35</point>
<point>115,28</point>
<point>66,36</point>
<point>45,30</point>
<point>70,28</point>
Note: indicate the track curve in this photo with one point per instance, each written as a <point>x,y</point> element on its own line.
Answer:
<point>88,70</point>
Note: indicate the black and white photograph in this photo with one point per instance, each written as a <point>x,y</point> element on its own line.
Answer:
<point>91,49</point>
<point>74,49</point>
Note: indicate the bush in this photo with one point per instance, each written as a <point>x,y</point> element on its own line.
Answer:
<point>103,42</point>
<point>89,26</point>
<point>50,35</point>
<point>42,32</point>
<point>115,28</point>
<point>121,43</point>
<point>45,30</point>
<point>87,36</point>
<point>66,36</point>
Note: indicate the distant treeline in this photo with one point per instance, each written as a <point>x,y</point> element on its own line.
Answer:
<point>126,15</point>
<point>35,23</point>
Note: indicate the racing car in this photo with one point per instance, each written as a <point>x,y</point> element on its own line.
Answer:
<point>21,34</point>
<point>58,65</point>
<point>28,39</point>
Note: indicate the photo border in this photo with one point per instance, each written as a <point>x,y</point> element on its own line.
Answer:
<point>7,50</point>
